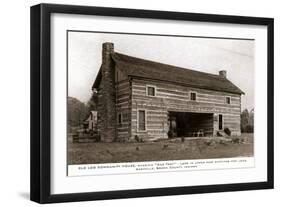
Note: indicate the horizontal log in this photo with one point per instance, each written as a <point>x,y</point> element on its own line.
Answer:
<point>168,91</point>
<point>137,91</point>
<point>122,130</point>
<point>123,100</point>
<point>125,103</point>
<point>202,109</point>
<point>122,84</point>
<point>120,96</point>
<point>123,89</point>
<point>122,133</point>
<point>139,88</point>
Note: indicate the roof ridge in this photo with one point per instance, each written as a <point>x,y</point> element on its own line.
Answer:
<point>165,64</point>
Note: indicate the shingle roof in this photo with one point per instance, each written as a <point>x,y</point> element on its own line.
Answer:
<point>142,68</point>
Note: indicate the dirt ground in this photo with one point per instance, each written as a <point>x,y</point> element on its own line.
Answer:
<point>203,148</point>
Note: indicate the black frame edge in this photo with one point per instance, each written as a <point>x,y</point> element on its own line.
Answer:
<point>40,102</point>
<point>156,14</point>
<point>35,25</point>
<point>125,194</point>
<point>270,103</point>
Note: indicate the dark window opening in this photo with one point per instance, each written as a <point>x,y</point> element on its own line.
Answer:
<point>228,100</point>
<point>193,96</point>
<point>141,121</point>
<point>220,122</point>
<point>150,91</point>
<point>119,118</point>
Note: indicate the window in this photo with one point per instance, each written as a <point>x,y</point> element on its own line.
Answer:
<point>119,118</point>
<point>141,120</point>
<point>220,122</point>
<point>125,117</point>
<point>193,96</point>
<point>150,91</point>
<point>227,99</point>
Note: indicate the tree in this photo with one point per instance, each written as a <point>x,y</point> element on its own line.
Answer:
<point>76,112</point>
<point>247,121</point>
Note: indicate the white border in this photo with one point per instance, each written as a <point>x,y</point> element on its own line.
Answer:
<point>161,166</point>
<point>60,183</point>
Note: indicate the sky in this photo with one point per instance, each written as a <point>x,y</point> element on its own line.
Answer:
<point>209,55</point>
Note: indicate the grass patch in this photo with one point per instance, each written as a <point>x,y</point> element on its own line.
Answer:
<point>92,153</point>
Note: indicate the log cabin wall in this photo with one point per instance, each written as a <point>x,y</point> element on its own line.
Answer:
<point>170,97</point>
<point>123,110</point>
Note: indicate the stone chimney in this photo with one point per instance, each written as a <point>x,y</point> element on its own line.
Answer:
<point>107,96</point>
<point>107,49</point>
<point>222,73</point>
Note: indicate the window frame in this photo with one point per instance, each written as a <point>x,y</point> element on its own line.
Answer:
<point>195,95</point>
<point>222,122</point>
<point>145,120</point>
<point>151,86</point>
<point>229,100</point>
<point>121,118</point>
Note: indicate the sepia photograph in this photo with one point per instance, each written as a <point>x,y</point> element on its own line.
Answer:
<point>153,97</point>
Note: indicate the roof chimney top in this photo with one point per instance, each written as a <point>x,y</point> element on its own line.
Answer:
<point>222,73</point>
<point>108,47</point>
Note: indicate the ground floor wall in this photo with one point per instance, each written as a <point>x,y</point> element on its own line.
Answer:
<point>159,122</point>
<point>155,120</point>
<point>230,121</point>
<point>123,111</point>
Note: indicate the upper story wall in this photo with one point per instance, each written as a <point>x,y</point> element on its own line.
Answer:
<point>177,98</point>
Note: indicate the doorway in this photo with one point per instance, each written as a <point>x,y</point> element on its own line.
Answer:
<point>189,124</point>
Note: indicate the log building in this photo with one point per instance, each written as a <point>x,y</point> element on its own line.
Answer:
<point>154,100</point>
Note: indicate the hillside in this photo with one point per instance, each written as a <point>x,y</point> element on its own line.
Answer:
<point>76,111</point>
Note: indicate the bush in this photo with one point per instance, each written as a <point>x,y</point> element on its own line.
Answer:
<point>249,129</point>
<point>98,138</point>
<point>222,142</point>
<point>237,140</point>
<point>137,138</point>
<point>210,142</point>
